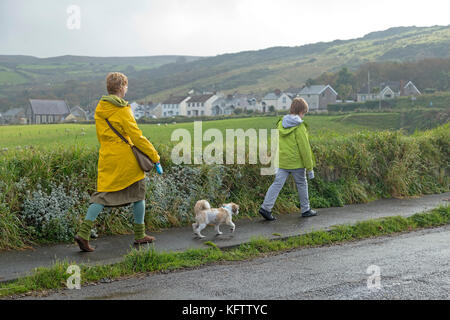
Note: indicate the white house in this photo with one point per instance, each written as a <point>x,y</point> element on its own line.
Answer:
<point>174,106</point>
<point>201,105</point>
<point>138,110</point>
<point>389,90</point>
<point>224,105</point>
<point>156,111</point>
<point>409,89</point>
<point>277,99</point>
<point>249,102</point>
<point>227,105</point>
<point>318,97</point>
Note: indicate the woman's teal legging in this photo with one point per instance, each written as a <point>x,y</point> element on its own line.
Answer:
<point>138,211</point>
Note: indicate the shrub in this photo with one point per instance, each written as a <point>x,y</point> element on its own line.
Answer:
<point>52,216</point>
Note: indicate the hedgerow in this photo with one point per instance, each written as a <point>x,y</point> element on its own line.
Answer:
<point>54,185</point>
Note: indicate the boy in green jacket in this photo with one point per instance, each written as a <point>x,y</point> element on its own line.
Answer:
<point>296,158</point>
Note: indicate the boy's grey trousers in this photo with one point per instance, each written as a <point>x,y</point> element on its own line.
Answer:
<point>280,178</point>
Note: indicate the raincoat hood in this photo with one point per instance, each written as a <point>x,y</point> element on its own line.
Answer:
<point>288,124</point>
<point>109,105</point>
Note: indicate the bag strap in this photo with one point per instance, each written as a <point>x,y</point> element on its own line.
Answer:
<point>117,132</point>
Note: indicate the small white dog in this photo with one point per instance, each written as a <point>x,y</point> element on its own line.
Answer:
<point>204,215</point>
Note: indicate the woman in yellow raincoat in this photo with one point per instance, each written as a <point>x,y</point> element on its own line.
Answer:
<point>120,178</point>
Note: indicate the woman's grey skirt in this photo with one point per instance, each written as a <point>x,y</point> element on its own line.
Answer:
<point>133,193</point>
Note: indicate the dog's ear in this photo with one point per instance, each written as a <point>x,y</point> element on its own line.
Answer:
<point>234,208</point>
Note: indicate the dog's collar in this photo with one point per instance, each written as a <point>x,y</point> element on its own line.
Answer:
<point>228,208</point>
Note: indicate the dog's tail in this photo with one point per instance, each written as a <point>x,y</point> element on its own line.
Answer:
<point>201,205</point>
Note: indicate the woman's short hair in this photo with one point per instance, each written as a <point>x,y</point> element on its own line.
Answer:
<point>115,81</point>
<point>299,105</point>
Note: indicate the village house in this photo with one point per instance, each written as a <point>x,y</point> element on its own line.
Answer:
<point>248,102</point>
<point>278,100</point>
<point>225,105</point>
<point>46,111</point>
<point>387,90</point>
<point>14,116</point>
<point>148,109</point>
<point>76,114</point>
<point>201,105</point>
<point>156,111</point>
<point>174,106</point>
<point>318,97</point>
<point>140,110</point>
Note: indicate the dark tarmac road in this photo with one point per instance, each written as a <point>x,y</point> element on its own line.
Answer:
<point>411,266</point>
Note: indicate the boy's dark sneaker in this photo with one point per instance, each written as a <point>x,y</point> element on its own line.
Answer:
<point>266,214</point>
<point>309,213</point>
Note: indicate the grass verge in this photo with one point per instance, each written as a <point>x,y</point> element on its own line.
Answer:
<point>150,260</point>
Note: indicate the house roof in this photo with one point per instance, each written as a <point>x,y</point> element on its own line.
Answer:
<point>273,95</point>
<point>315,89</point>
<point>13,112</point>
<point>174,100</point>
<point>409,83</point>
<point>52,107</point>
<point>293,90</point>
<point>201,98</point>
<point>77,108</point>
<point>393,85</point>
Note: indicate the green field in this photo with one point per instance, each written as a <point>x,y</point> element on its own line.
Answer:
<point>84,135</point>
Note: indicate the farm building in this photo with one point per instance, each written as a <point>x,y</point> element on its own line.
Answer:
<point>46,111</point>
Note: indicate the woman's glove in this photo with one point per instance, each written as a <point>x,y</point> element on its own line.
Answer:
<point>311,174</point>
<point>159,168</point>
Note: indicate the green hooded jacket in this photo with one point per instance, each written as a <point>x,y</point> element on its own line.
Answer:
<point>294,148</point>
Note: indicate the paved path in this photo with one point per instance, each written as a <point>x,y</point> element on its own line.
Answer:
<point>111,249</point>
<point>411,266</point>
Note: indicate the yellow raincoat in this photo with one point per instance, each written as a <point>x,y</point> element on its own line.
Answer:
<point>117,165</point>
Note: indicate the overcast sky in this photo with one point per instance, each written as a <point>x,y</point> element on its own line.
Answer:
<point>45,28</point>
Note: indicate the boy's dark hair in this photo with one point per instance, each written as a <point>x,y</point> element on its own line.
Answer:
<point>299,105</point>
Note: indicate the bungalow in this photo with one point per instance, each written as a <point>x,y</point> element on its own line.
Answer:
<point>318,97</point>
<point>46,111</point>
<point>387,90</point>
<point>277,99</point>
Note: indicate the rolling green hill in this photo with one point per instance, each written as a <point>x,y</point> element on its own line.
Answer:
<point>79,80</point>
<point>27,69</point>
<point>282,67</point>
